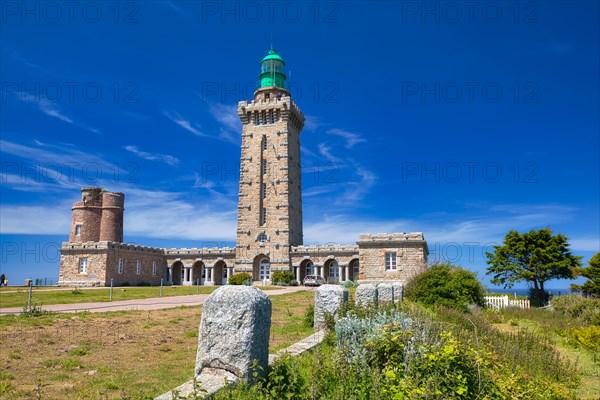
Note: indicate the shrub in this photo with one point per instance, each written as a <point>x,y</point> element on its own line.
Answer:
<point>447,285</point>
<point>584,309</point>
<point>282,278</point>
<point>588,337</point>
<point>350,284</point>
<point>241,278</point>
<point>309,316</point>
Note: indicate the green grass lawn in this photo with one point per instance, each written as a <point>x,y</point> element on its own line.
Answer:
<point>555,326</point>
<point>45,296</point>
<point>117,355</point>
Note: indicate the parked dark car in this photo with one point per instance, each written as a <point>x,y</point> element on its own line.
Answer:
<point>313,280</point>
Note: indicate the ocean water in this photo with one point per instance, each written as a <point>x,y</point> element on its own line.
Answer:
<point>525,292</point>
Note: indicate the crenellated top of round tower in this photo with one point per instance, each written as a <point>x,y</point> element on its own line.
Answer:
<point>91,196</point>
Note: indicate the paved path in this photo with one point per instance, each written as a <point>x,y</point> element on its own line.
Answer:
<point>155,303</point>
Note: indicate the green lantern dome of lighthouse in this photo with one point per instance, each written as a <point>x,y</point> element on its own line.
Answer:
<point>271,70</point>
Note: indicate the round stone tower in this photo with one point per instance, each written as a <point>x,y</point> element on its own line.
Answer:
<point>111,227</point>
<point>86,216</point>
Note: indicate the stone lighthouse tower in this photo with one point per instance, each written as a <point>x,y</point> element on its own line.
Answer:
<point>270,195</point>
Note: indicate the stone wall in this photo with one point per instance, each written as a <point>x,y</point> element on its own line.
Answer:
<point>411,256</point>
<point>71,254</point>
<point>131,255</point>
<point>103,264</point>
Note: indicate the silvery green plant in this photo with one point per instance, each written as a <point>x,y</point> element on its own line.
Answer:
<point>353,332</point>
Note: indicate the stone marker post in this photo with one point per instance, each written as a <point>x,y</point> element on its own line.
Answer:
<point>385,292</point>
<point>328,299</point>
<point>366,294</point>
<point>234,332</point>
<point>398,288</point>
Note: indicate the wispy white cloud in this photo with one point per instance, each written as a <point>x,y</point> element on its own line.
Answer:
<point>164,158</point>
<point>227,116</point>
<point>31,64</point>
<point>184,123</point>
<point>25,220</point>
<point>351,138</point>
<point>312,123</point>
<point>585,243</point>
<point>471,227</point>
<point>183,218</point>
<point>53,110</point>
<point>356,190</point>
<point>325,151</point>
<point>152,212</point>
<point>47,107</point>
<point>55,167</point>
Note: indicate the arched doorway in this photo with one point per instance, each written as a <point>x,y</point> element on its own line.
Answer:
<point>177,273</point>
<point>332,269</point>
<point>261,268</point>
<point>354,270</point>
<point>307,267</point>
<point>264,271</point>
<point>220,273</point>
<point>199,272</point>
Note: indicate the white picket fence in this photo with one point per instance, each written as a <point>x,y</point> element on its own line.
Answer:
<point>499,302</point>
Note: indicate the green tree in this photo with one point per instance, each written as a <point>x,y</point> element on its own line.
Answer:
<point>535,257</point>
<point>592,272</point>
<point>446,284</point>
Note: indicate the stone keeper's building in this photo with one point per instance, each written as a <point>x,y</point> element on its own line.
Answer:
<point>269,228</point>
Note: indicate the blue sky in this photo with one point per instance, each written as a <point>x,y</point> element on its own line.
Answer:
<point>458,119</point>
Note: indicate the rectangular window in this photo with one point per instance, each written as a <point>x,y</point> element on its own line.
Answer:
<point>263,216</point>
<point>139,267</point>
<point>264,190</point>
<point>121,266</point>
<point>272,116</point>
<point>264,143</point>
<point>256,120</point>
<point>390,262</point>
<point>83,263</point>
<point>153,268</point>
<point>264,167</point>
<point>78,230</point>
